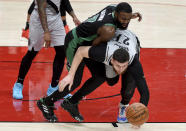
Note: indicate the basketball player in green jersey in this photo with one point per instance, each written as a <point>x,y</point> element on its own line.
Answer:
<point>95,30</point>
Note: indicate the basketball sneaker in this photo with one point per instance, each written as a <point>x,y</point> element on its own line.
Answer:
<point>67,96</point>
<point>122,114</point>
<point>72,109</point>
<point>25,33</point>
<point>48,111</point>
<point>17,91</point>
<point>67,29</point>
<point>51,89</point>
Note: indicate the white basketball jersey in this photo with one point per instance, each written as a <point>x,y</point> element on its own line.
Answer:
<point>123,39</point>
<point>49,9</point>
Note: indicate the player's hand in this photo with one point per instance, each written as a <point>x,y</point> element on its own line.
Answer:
<point>47,39</point>
<point>67,80</point>
<point>137,15</point>
<point>76,21</point>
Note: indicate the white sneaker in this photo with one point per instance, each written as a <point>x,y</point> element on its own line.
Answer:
<point>121,114</point>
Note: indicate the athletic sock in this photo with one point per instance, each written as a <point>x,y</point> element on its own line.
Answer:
<point>75,99</point>
<point>49,100</point>
<point>20,80</point>
<point>54,83</point>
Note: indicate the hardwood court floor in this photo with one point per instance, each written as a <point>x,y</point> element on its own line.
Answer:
<point>162,34</point>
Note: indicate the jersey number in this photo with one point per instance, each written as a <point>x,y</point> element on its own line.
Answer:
<point>95,17</point>
<point>125,41</point>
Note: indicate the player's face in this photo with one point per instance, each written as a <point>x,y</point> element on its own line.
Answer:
<point>123,19</point>
<point>119,68</point>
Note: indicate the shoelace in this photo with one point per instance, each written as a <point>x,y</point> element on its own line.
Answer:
<point>48,109</point>
<point>122,111</point>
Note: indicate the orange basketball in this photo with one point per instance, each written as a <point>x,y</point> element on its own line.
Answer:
<point>137,114</point>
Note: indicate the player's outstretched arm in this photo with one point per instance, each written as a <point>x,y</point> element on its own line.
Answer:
<point>68,79</point>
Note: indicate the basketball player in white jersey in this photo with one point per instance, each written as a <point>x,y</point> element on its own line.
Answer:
<point>46,27</point>
<point>65,6</point>
<point>120,57</point>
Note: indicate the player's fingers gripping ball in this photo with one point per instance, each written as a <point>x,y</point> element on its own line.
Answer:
<point>137,114</point>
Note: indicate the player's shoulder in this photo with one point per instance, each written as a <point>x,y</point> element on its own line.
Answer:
<point>131,32</point>
<point>111,6</point>
<point>126,32</point>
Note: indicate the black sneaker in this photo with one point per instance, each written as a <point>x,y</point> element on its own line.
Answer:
<point>47,111</point>
<point>72,109</point>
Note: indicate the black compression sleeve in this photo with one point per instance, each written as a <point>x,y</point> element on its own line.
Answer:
<point>138,75</point>
<point>31,8</point>
<point>62,11</point>
<point>65,6</point>
<point>98,52</point>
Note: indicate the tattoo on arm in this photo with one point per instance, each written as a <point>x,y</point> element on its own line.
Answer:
<point>42,14</point>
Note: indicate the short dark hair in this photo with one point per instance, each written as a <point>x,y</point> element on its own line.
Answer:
<point>121,55</point>
<point>124,7</point>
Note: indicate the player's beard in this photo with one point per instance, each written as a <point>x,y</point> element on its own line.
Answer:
<point>119,25</point>
<point>121,73</point>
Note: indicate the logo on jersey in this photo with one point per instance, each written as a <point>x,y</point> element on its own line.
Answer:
<point>102,15</point>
